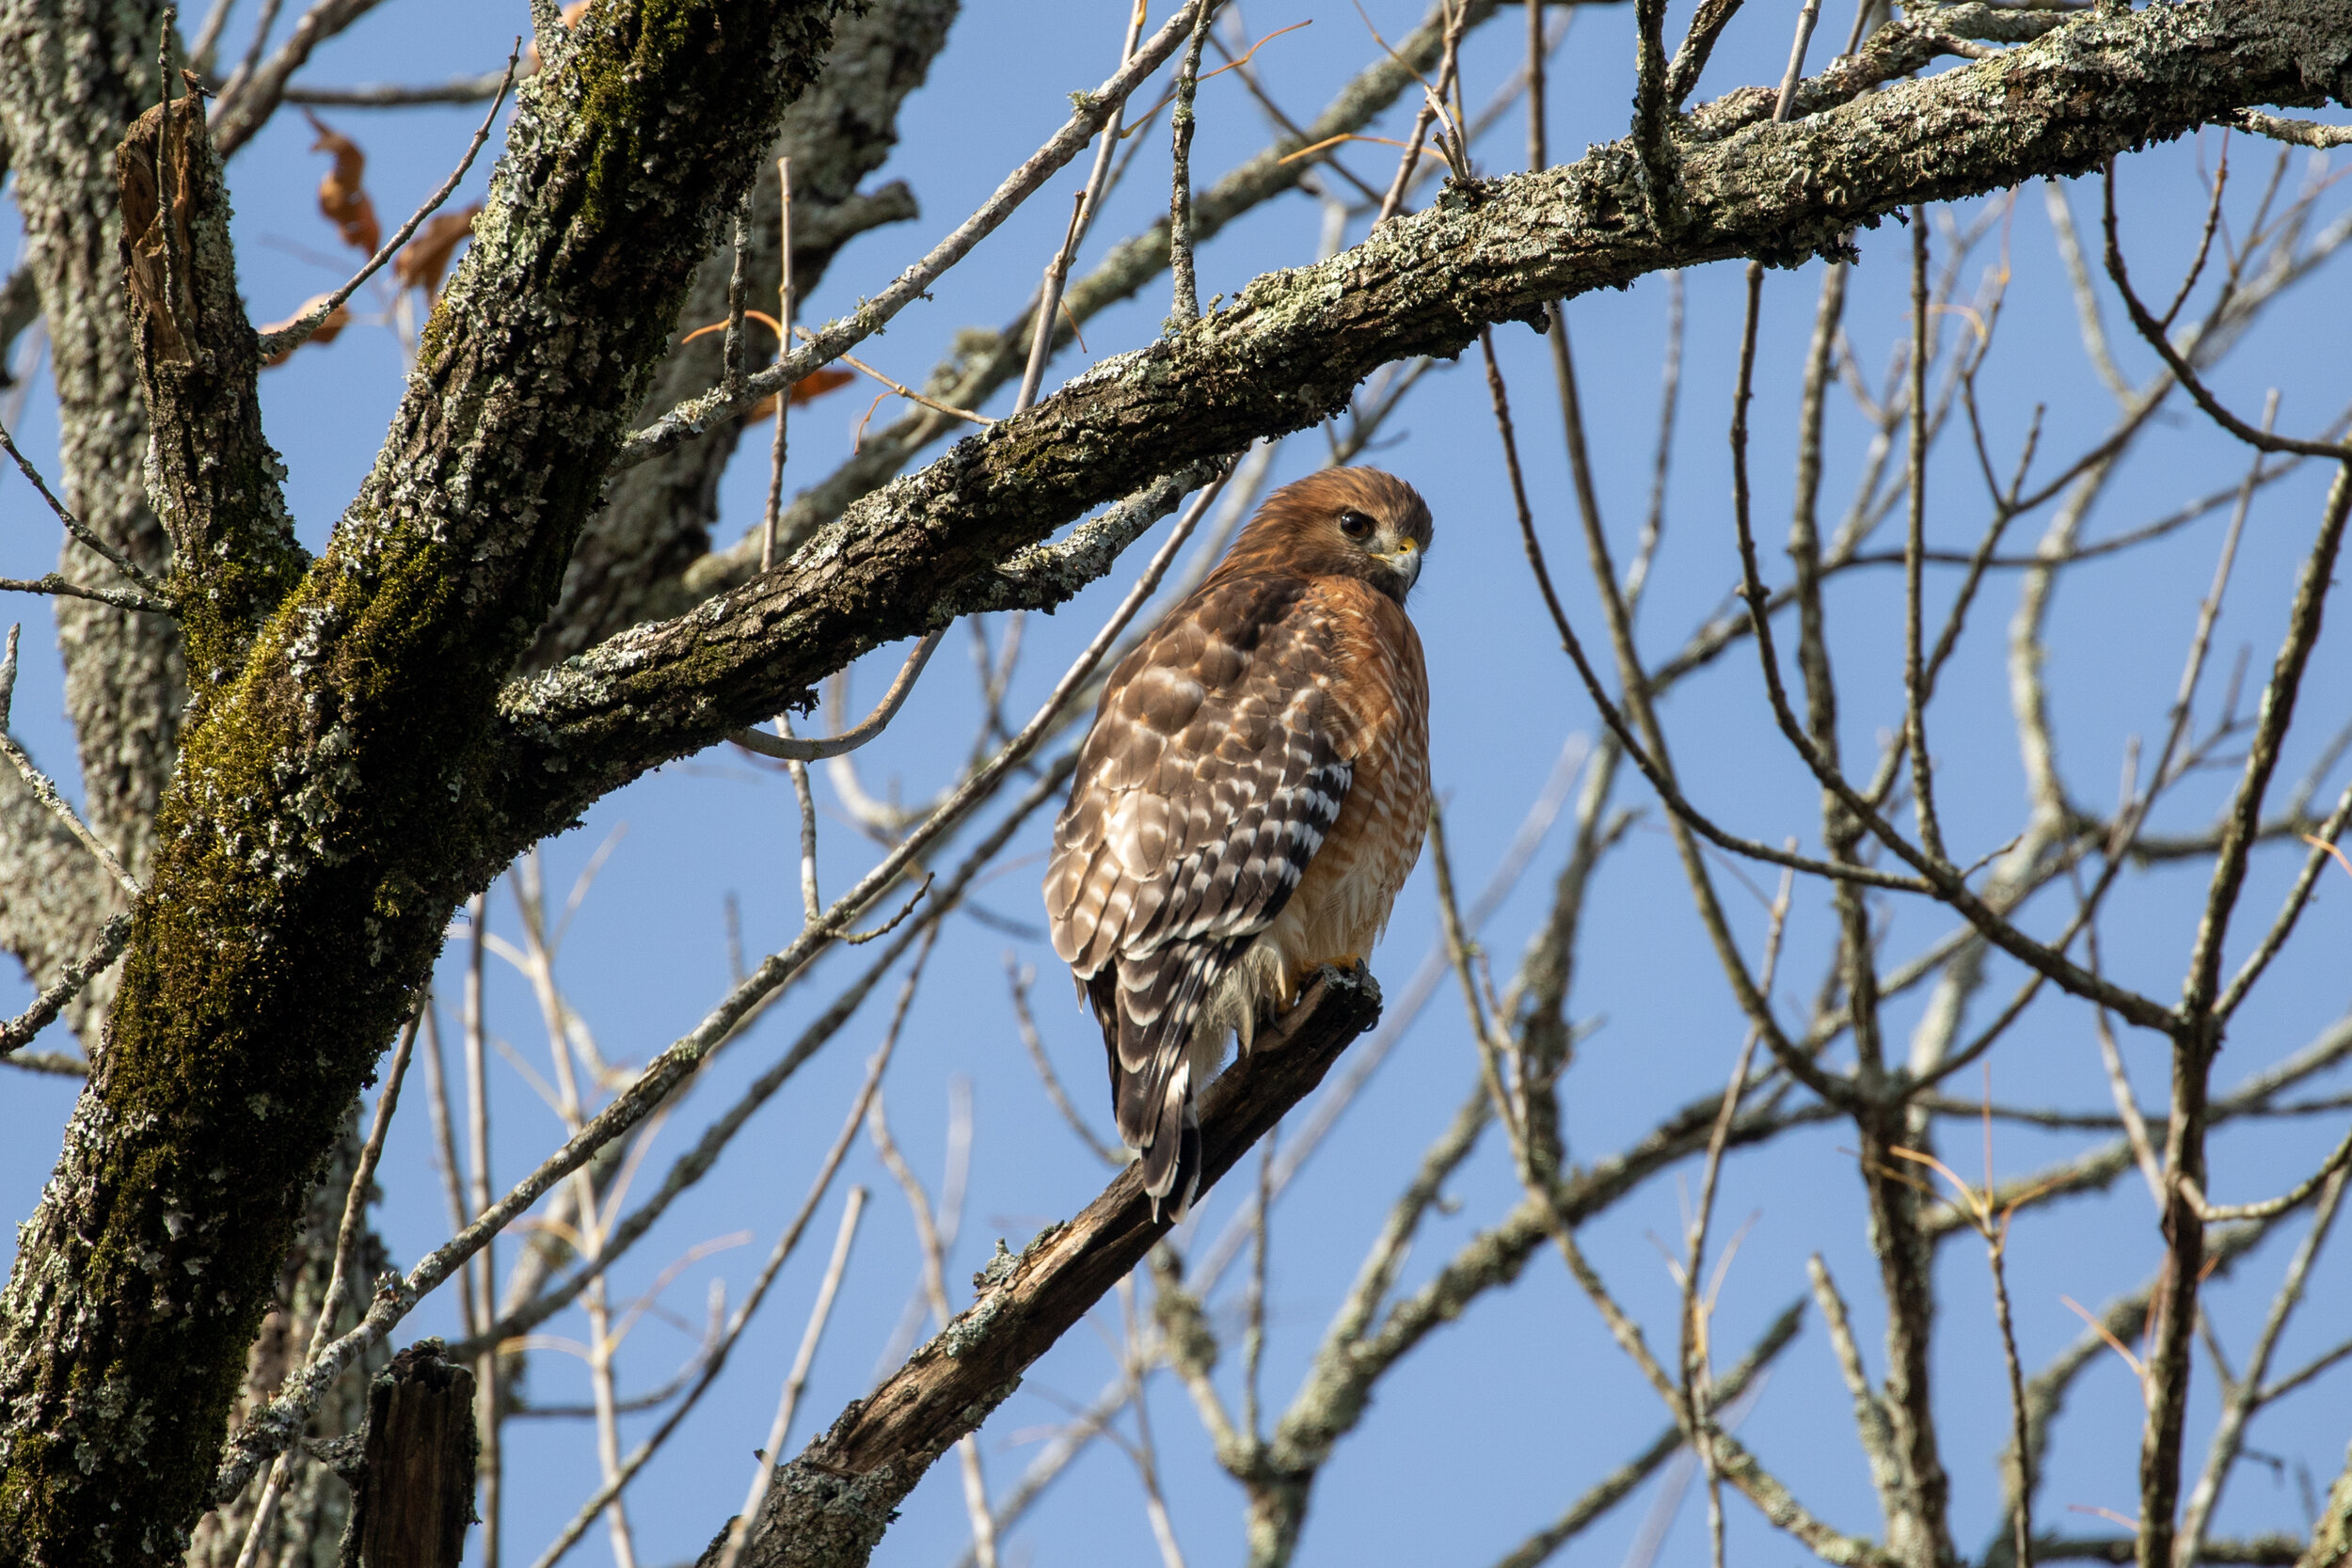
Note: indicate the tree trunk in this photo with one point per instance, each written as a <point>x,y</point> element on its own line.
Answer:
<point>307,1528</point>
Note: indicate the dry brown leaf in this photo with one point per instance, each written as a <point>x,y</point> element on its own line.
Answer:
<point>336,320</point>
<point>423,260</point>
<point>342,197</point>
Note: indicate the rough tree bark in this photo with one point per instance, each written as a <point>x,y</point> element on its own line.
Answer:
<point>630,559</point>
<point>313,843</point>
<point>73,75</point>
<point>312,1514</point>
<point>413,1495</point>
<point>358,758</point>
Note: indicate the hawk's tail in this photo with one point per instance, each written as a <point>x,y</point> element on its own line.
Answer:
<point>1148,1004</point>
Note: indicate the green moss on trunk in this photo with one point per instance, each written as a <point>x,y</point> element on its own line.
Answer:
<point>328,811</point>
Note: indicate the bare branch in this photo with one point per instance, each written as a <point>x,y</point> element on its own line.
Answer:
<point>458,90</point>
<point>789,750</point>
<point>1607,1493</point>
<point>688,417</point>
<point>33,1020</point>
<point>80,530</point>
<point>853,1476</point>
<point>56,582</point>
<point>46,792</point>
<point>298,331</point>
<point>798,1378</point>
<point>2244,1394</point>
<point>254,91</point>
<point>2302,133</point>
<point>787,1242</point>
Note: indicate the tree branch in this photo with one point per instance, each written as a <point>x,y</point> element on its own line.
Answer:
<point>1422,284</point>
<point>656,522</point>
<point>831,1505</point>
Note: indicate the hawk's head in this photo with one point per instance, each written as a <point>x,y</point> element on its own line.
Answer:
<point>1342,522</point>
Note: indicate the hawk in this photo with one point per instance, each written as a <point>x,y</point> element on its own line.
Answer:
<point>1251,796</point>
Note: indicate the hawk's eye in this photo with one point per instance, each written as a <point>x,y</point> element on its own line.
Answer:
<point>1354,525</point>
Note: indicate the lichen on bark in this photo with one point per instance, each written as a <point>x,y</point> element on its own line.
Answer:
<point>320,825</point>
<point>360,762</point>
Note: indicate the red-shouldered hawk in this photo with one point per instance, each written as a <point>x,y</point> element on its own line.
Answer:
<point>1251,796</point>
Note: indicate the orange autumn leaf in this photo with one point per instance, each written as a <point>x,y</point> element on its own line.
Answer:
<point>423,260</point>
<point>342,197</point>
<point>336,320</point>
<point>816,384</point>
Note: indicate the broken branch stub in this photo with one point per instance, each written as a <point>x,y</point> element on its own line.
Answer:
<point>414,1496</point>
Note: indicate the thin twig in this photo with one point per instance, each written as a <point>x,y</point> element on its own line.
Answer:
<point>59,584</point>
<point>1809,15</point>
<point>900,387</point>
<point>771,1456</point>
<point>1697,1392</point>
<point>934,1229</point>
<point>1941,878</point>
<point>482,1276</point>
<point>2302,133</point>
<point>783,345</point>
<point>1090,201</point>
<point>2244,1394</point>
<point>739,284</point>
<point>1652,136</point>
<point>1432,104</point>
<point>458,90</point>
<point>1872,1426</point>
<point>2215,1213</point>
<point>812,902</point>
<point>208,37</point>
<point>81,530</point>
<point>1019,979</point>
<point>1914,540</point>
<point>2199,992</point>
<point>690,417</point>
<point>2153,334</point>
<point>787,1242</point>
<point>1615,717</point>
<point>1635,684</point>
<point>1253,1331</point>
<point>1186,307</point>
<point>46,792</point>
<point>112,938</point>
<point>1669,395</point>
<point>296,332</point>
<point>445,1139</point>
<point>1606,1493</point>
<point>788,749</point>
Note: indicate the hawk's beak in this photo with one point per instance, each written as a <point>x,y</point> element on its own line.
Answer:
<point>1404,561</point>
